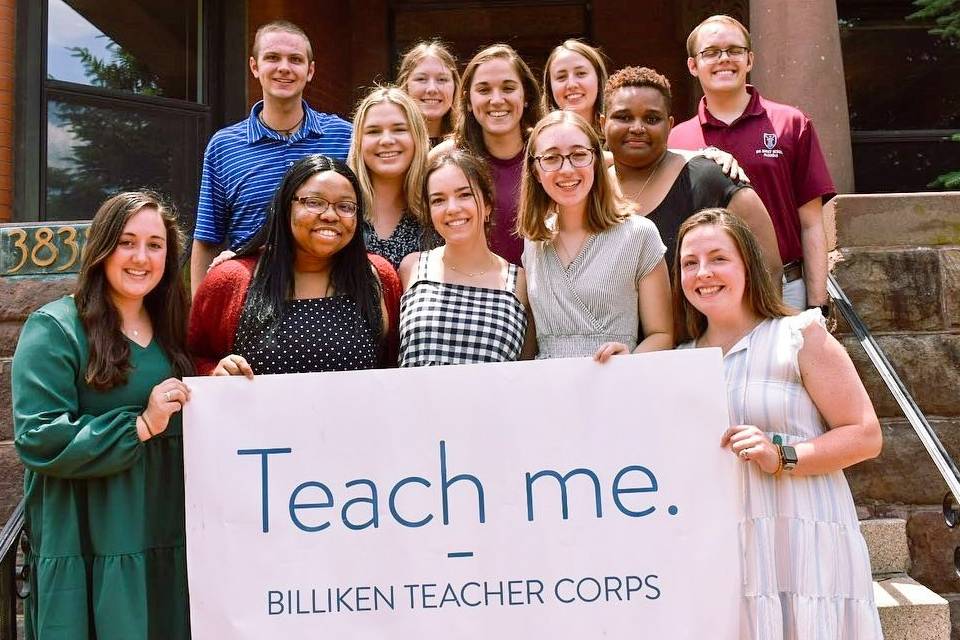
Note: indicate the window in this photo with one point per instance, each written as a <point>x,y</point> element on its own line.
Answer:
<point>903,96</point>
<point>115,97</point>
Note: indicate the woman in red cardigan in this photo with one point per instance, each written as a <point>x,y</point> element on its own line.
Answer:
<point>303,295</point>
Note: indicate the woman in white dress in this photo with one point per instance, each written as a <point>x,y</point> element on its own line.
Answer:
<point>799,415</point>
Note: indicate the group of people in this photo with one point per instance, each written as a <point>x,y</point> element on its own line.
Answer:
<point>482,217</point>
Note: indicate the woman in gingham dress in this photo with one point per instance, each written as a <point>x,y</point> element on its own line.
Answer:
<point>799,415</point>
<point>462,303</point>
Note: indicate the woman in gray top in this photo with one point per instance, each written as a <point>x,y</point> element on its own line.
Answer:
<point>596,278</point>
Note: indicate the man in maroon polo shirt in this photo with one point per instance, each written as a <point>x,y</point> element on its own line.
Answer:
<point>774,143</point>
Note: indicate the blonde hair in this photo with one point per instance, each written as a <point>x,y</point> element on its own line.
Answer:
<point>722,19</point>
<point>283,26</point>
<point>604,208</point>
<point>432,49</point>
<point>595,57</point>
<point>468,133</point>
<point>421,146</point>
<point>761,293</point>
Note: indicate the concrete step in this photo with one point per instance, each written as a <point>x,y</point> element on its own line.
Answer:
<point>887,543</point>
<point>910,611</point>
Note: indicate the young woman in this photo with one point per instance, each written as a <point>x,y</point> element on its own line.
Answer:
<point>388,154</point>
<point>303,295</point>
<point>428,72</point>
<point>665,186</point>
<point>573,79</point>
<point>499,104</point>
<point>463,303</point>
<point>96,403</point>
<point>595,274</point>
<point>799,415</point>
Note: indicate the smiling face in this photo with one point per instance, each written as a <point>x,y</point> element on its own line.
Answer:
<point>712,272</point>
<point>431,86</point>
<point>282,65</point>
<point>574,83</point>
<point>637,125</point>
<point>457,209</point>
<point>320,236</point>
<point>386,144</point>
<point>568,186</point>
<point>136,264</point>
<point>725,74</point>
<point>497,98</point>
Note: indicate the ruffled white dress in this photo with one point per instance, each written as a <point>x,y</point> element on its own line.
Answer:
<point>806,571</point>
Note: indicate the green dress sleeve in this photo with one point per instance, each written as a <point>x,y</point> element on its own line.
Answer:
<point>50,433</point>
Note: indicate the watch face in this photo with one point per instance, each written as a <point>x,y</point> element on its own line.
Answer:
<point>789,457</point>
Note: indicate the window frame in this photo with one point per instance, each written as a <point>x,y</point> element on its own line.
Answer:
<point>222,94</point>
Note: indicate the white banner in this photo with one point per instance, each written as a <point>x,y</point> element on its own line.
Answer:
<point>547,499</point>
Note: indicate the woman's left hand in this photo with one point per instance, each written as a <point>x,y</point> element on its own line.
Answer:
<point>608,349</point>
<point>749,443</point>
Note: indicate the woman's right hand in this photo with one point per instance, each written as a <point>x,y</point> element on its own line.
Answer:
<point>233,365</point>
<point>222,257</point>
<point>166,399</point>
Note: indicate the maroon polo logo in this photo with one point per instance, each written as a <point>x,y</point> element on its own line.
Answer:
<point>770,140</point>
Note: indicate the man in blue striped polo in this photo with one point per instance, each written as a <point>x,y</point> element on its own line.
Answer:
<point>245,162</point>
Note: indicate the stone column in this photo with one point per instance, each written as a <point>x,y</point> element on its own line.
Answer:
<point>798,62</point>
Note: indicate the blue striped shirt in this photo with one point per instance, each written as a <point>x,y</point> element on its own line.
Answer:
<point>245,162</point>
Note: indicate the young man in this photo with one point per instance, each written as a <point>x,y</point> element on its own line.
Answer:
<point>774,143</point>
<point>245,162</point>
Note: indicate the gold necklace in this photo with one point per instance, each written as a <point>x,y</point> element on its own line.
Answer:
<point>463,273</point>
<point>558,243</point>
<point>636,196</point>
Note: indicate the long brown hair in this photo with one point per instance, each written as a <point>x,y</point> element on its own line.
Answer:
<point>604,208</point>
<point>478,177</point>
<point>468,133</point>
<point>167,304</point>
<point>762,294</point>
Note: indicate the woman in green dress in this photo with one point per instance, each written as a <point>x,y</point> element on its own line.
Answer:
<point>96,402</point>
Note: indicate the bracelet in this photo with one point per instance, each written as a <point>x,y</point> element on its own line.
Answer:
<point>146,423</point>
<point>779,460</point>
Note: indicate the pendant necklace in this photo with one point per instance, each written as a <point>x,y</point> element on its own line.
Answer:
<point>286,133</point>
<point>636,196</point>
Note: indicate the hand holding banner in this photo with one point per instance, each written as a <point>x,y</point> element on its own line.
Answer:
<point>558,499</point>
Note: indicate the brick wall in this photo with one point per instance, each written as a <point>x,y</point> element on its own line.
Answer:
<point>8,22</point>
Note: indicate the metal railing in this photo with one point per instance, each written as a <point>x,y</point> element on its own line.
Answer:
<point>928,437</point>
<point>12,575</point>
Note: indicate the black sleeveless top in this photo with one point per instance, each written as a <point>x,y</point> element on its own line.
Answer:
<point>315,334</point>
<point>700,185</point>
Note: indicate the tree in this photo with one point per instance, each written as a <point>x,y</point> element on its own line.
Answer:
<point>946,15</point>
<point>113,148</point>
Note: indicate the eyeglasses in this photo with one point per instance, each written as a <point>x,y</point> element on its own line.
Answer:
<point>578,158</point>
<point>712,54</point>
<point>314,204</point>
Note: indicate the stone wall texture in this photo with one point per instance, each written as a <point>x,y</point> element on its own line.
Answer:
<point>897,257</point>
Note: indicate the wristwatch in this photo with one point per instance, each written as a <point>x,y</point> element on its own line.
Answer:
<point>788,457</point>
<point>824,309</point>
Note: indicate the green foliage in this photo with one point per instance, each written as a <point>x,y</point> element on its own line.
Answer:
<point>946,15</point>
<point>113,149</point>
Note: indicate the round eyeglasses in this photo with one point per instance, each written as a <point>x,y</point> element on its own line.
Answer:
<point>578,159</point>
<point>318,205</point>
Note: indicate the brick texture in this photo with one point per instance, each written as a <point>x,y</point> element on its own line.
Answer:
<point>8,22</point>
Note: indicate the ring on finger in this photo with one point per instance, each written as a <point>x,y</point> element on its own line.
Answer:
<point>743,453</point>
<point>166,396</point>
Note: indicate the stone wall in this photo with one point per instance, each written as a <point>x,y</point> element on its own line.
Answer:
<point>898,260</point>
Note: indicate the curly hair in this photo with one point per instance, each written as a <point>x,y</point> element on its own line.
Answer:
<point>639,77</point>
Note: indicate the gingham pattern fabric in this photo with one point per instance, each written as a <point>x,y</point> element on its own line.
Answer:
<point>444,323</point>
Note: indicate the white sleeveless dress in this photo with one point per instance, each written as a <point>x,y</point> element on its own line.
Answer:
<point>806,571</point>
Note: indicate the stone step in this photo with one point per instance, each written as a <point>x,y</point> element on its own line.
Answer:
<point>910,611</point>
<point>887,543</point>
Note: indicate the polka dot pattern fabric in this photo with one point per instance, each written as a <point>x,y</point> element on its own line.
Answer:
<point>315,334</point>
